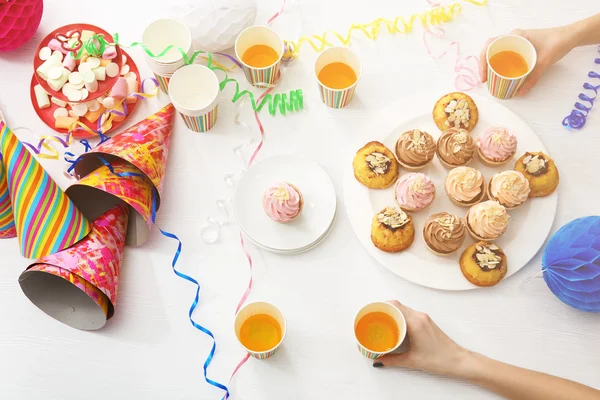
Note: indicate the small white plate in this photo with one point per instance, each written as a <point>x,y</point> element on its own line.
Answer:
<point>317,213</point>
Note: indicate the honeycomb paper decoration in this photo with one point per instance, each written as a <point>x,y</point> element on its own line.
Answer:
<point>19,19</point>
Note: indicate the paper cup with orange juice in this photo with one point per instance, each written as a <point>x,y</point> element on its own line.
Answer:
<point>260,328</point>
<point>338,70</point>
<point>510,60</point>
<point>379,329</point>
<point>260,49</point>
<point>194,91</point>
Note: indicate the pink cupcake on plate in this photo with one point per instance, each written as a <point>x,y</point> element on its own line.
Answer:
<point>414,191</point>
<point>496,146</point>
<point>282,202</point>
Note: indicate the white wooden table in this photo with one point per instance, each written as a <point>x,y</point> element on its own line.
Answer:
<point>149,349</point>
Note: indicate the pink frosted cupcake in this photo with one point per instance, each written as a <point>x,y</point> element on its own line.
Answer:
<point>414,191</point>
<point>487,221</point>
<point>496,146</point>
<point>282,202</point>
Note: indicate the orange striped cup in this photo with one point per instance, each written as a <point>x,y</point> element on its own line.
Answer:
<point>503,87</point>
<point>260,35</point>
<point>338,98</point>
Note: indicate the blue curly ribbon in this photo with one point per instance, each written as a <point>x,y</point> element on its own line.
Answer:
<point>578,116</point>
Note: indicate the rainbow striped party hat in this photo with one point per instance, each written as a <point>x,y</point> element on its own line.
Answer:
<point>46,220</point>
<point>7,222</point>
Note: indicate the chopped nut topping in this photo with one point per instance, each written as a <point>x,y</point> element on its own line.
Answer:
<point>500,137</point>
<point>514,185</point>
<point>460,138</point>
<point>458,112</point>
<point>417,185</point>
<point>535,165</point>
<point>379,163</point>
<point>448,223</point>
<point>417,141</point>
<point>281,194</point>
<point>392,217</point>
<point>486,258</point>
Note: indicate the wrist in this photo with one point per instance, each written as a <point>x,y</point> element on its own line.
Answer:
<point>468,366</point>
<point>575,34</point>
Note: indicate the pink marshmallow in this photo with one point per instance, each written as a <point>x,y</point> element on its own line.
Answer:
<point>69,62</point>
<point>54,45</point>
<point>109,53</point>
<point>119,91</point>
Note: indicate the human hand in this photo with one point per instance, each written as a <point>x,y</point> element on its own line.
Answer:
<point>551,45</point>
<point>431,350</point>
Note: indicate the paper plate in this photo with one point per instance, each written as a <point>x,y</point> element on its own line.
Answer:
<point>529,225</point>
<point>103,87</point>
<point>317,214</point>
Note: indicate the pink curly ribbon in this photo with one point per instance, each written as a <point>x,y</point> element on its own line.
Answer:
<point>277,14</point>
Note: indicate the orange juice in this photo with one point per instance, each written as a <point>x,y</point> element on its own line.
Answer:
<point>509,64</point>
<point>260,332</point>
<point>337,75</point>
<point>377,331</point>
<point>260,56</point>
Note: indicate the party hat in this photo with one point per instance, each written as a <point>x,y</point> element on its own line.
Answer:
<point>104,187</point>
<point>46,220</point>
<point>145,145</point>
<point>78,286</point>
<point>7,221</point>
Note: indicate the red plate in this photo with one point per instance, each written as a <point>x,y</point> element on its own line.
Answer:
<point>47,114</point>
<point>103,87</point>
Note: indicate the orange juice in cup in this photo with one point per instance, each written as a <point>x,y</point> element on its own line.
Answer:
<point>260,328</point>
<point>379,329</point>
<point>510,60</point>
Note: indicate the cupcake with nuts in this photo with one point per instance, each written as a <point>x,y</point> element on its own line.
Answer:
<point>392,230</point>
<point>455,110</point>
<point>455,148</point>
<point>509,188</point>
<point>282,202</point>
<point>414,191</point>
<point>444,233</point>
<point>375,166</point>
<point>487,221</point>
<point>540,171</point>
<point>415,149</point>
<point>496,146</point>
<point>483,264</point>
<point>465,186</point>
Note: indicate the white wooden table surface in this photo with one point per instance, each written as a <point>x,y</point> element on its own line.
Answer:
<point>149,349</point>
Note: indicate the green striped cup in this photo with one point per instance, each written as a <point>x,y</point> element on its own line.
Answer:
<point>338,98</point>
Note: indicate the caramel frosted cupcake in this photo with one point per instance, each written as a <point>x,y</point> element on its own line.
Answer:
<point>375,166</point>
<point>509,188</point>
<point>414,191</point>
<point>455,148</point>
<point>444,233</point>
<point>496,146</point>
<point>540,171</point>
<point>415,149</point>
<point>487,221</point>
<point>465,186</point>
<point>392,230</point>
<point>456,110</point>
<point>483,264</point>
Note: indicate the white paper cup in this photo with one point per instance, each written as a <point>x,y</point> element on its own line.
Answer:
<point>163,82</point>
<point>194,91</point>
<point>255,35</point>
<point>260,307</point>
<point>161,34</point>
<point>503,87</point>
<point>390,310</point>
<point>338,98</point>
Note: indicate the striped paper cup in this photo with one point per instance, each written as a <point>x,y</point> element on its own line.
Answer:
<point>163,82</point>
<point>338,98</point>
<point>503,87</point>
<point>194,91</point>
<point>252,36</point>
<point>260,307</point>
<point>390,310</point>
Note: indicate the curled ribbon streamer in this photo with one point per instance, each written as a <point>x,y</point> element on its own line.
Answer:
<point>578,117</point>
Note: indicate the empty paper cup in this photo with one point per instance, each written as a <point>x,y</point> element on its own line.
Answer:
<point>163,82</point>
<point>194,91</point>
<point>161,34</point>
<point>260,35</point>
<point>505,87</point>
<point>262,319</point>
<point>338,97</point>
<point>392,316</point>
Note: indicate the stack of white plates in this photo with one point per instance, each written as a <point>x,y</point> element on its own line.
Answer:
<point>307,230</point>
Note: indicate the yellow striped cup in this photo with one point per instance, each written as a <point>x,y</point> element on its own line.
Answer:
<point>252,36</point>
<point>503,87</point>
<point>338,98</point>
<point>392,311</point>
<point>260,307</point>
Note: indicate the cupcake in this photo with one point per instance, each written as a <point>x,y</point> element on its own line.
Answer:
<point>496,146</point>
<point>509,188</point>
<point>487,221</point>
<point>392,230</point>
<point>483,264</point>
<point>375,166</point>
<point>415,149</point>
<point>540,171</point>
<point>465,186</point>
<point>444,233</point>
<point>282,202</point>
<point>455,110</point>
<point>414,191</point>
<point>455,148</point>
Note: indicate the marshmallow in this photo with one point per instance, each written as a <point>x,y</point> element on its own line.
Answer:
<point>112,70</point>
<point>55,73</point>
<point>58,102</point>
<point>91,84</point>
<point>132,87</point>
<point>69,62</point>
<point>61,112</point>
<point>46,66</point>
<point>93,105</point>
<point>57,54</point>
<point>109,102</point>
<point>45,53</point>
<point>119,91</point>
<point>57,84</point>
<point>100,73</point>
<point>94,62</point>
<point>80,109</point>
<point>109,53</point>
<point>75,78</point>
<point>125,69</point>
<point>85,35</point>
<point>41,97</point>
<point>92,116</point>
<point>84,94</point>
<point>64,122</point>
<point>104,63</point>
<point>55,45</point>
<point>92,87</point>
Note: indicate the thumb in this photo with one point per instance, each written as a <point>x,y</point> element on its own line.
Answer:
<point>393,360</point>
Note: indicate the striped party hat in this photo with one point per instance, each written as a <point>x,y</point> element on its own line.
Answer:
<point>7,222</point>
<point>45,219</point>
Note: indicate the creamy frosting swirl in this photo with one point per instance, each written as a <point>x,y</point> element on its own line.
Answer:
<point>414,191</point>
<point>510,188</point>
<point>488,220</point>
<point>464,184</point>
<point>415,148</point>
<point>497,143</point>
<point>282,202</point>
<point>456,146</point>
<point>444,232</point>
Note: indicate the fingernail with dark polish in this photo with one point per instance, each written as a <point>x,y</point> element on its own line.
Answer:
<point>378,364</point>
